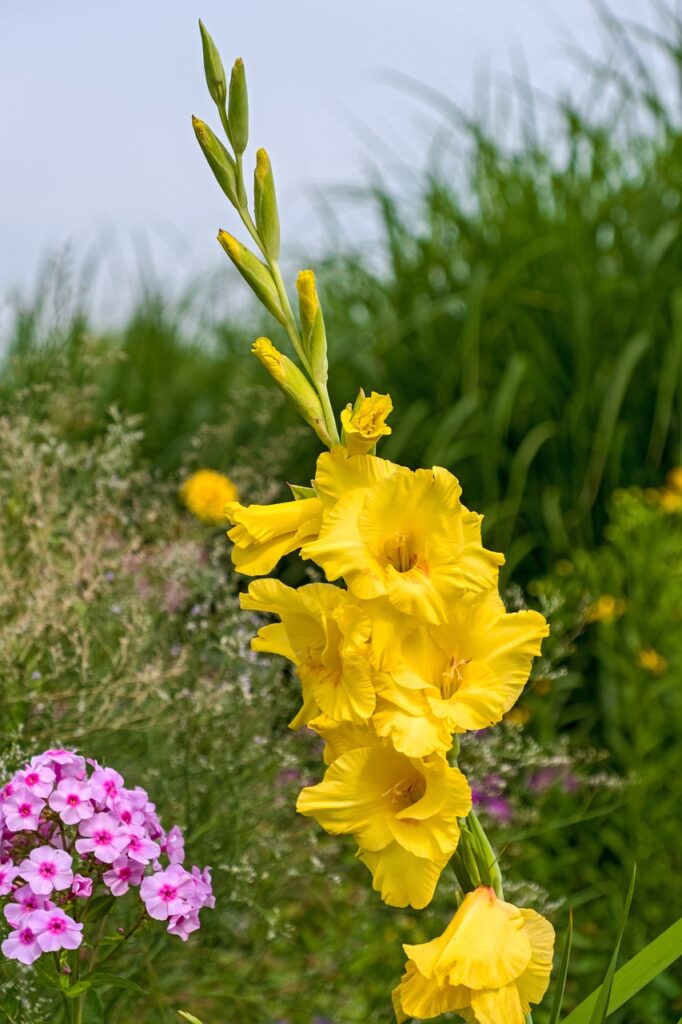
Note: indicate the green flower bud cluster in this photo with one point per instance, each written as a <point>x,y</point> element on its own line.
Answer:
<point>261,269</point>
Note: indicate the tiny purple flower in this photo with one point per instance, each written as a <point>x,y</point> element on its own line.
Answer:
<point>102,835</point>
<point>166,893</point>
<point>22,945</point>
<point>71,801</point>
<point>22,811</point>
<point>47,869</point>
<point>56,930</point>
<point>122,874</point>
<point>81,887</point>
<point>8,872</point>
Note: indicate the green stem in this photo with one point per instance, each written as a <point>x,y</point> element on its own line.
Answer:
<point>485,855</point>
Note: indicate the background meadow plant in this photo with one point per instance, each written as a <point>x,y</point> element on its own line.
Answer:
<point>98,639</point>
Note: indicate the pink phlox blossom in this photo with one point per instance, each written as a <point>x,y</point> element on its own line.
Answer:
<point>8,872</point>
<point>22,945</point>
<point>47,869</point>
<point>38,780</point>
<point>183,925</point>
<point>26,901</point>
<point>55,930</point>
<point>106,785</point>
<point>71,801</point>
<point>102,835</point>
<point>140,847</point>
<point>81,887</point>
<point>122,874</point>
<point>139,798</point>
<point>166,893</point>
<point>126,811</point>
<point>174,845</point>
<point>65,763</point>
<point>203,896</point>
<point>22,811</point>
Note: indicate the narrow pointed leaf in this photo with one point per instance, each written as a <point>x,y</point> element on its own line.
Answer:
<point>560,986</point>
<point>601,1007</point>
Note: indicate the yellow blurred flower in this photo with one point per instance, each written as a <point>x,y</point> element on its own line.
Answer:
<point>491,962</point>
<point>262,534</point>
<point>652,661</point>
<point>402,812</point>
<point>605,609</point>
<point>459,676</point>
<point>518,716</point>
<point>326,635</point>
<point>365,423</point>
<point>388,531</point>
<point>674,479</point>
<point>206,493</point>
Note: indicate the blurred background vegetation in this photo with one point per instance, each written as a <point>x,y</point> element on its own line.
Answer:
<point>524,309</point>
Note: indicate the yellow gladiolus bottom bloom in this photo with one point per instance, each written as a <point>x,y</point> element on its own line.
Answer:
<point>491,962</point>
<point>206,493</point>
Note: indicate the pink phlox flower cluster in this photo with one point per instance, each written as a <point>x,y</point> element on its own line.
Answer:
<point>70,828</point>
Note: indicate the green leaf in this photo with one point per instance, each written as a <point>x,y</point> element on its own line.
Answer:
<point>560,987</point>
<point>636,973</point>
<point>77,989</point>
<point>189,1017</point>
<point>103,979</point>
<point>601,1006</point>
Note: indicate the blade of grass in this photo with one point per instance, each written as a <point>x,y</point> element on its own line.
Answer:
<point>601,1006</point>
<point>560,986</point>
<point>636,973</point>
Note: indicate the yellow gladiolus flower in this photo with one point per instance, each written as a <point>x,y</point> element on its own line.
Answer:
<point>402,812</point>
<point>462,675</point>
<point>652,661</point>
<point>392,532</point>
<point>491,962</point>
<point>326,635</point>
<point>206,493</point>
<point>365,423</point>
<point>262,534</point>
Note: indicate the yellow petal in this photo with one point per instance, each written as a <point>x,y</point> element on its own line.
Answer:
<point>274,640</point>
<point>348,696</point>
<point>493,1006</point>
<point>534,981</point>
<point>484,946</point>
<point>402,879</point>
<point>352,796</point>
<point>417,996</point>
<point>340,737</point>
<point>413,734</point>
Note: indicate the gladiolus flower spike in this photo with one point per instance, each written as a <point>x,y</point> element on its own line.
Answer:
<point>404,647</point>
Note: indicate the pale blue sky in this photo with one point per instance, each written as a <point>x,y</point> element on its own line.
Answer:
<point>96,97</point>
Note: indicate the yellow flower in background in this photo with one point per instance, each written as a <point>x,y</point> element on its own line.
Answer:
<point>652,661</point>
<point>491,962</point>
<point>402,812</point>
<point>387,530</point>
<point>674,479</point>
<point>460,676</point>
<point>364,424</point>
<point>326,635</point>
<point>262,534</point>
<point>606,608</point>
<point>206,493</point>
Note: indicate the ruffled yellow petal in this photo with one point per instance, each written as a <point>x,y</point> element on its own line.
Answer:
<point>340,737</point>
<point>413,733</point>
<point>403,879</point>
<point>417,996</point>
<point>262,534</point>
<point>352,796</point>
<point>533,983</point>
<point>494,1006</point>
<point>484,946</point>
<point>273,639</point>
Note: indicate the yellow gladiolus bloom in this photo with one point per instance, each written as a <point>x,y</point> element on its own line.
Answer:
<point>402,812</point>
<point>388,531</point>
<point>491,962</point>
<point>462,675</point>
<point>365,423</point>
<point>206,493</point>
<point>326,635</point>
<point>262,534</point>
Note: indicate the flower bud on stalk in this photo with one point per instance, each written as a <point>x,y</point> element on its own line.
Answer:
<point>238,108</point>
<point>255,273</point>
<point>312,323</point>
<point>291,381</point>
<point>213,68</point>
<point>265,205</point>
<point>218,158</point>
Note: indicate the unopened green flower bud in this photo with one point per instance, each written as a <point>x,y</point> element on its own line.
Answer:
<point>238,108</point>
<point>294,384</point>
<point>300,492</point>
<point>265,204</point>
<point>219,160</point>
<point>255,273</point>
<point>312,324</point>
<point>213,68</point>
